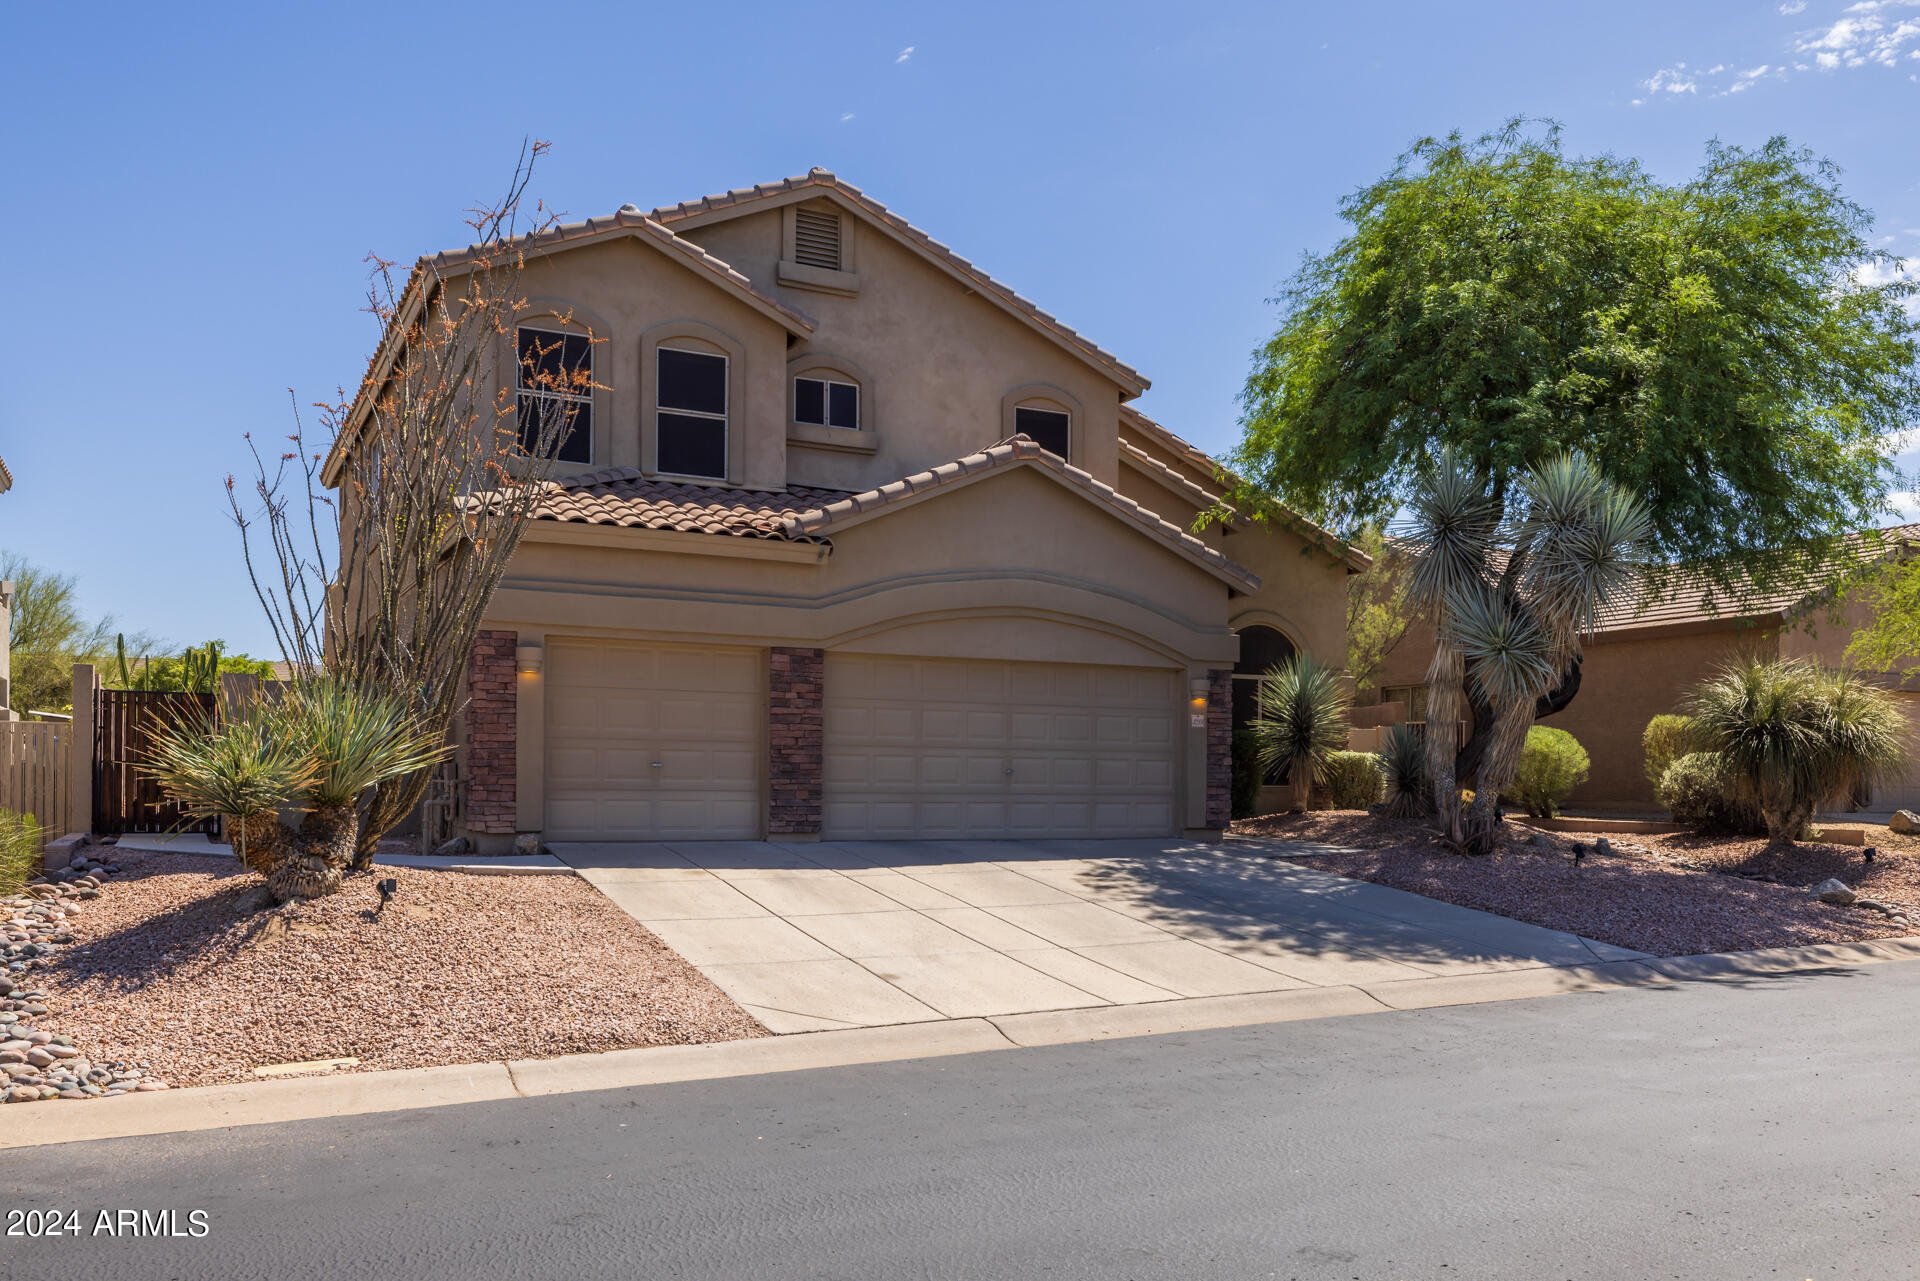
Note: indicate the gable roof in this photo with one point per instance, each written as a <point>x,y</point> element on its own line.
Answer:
<point>822,182</point>
<point>1021,451</point>
<point>6,477</point>
<point>1307,531</point>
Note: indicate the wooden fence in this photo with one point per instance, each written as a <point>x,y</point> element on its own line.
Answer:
<point>34,760</point>
<point>126,799</point>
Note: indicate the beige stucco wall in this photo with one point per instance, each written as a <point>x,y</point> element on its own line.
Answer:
<point>1011,566</point>
<point>935,359</point>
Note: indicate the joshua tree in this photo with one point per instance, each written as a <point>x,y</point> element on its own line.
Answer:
<point>1300,722</point>
<point>1794,735</point>
<point>1510,599</point>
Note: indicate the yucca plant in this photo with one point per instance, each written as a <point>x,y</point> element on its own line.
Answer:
<point>1510,600</point>
<point>1300,721</point>
<point>1796,735</point>
<point>319,746</point>
<point>1403,762</point>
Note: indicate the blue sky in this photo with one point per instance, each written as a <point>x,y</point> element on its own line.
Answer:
<point>193,188</point>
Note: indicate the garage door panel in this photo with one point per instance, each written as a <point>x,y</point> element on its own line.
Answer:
<point>613,709</point>
<point>923,747</point>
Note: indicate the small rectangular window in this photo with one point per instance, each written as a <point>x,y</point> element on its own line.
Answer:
<point>554,384</point>
<point>816,239</point>
<point>826,403</point>
<point>690,436</point>
<point>1047,428</point>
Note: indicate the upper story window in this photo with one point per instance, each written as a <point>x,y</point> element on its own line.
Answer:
<point>690,437</point>
<point>1051,429</point>
<point>554,386</point>
<point>816,239</point>
<point>826,402</point>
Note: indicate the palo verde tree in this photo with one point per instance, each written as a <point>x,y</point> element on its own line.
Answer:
<point>438,463</point>
<point>1729,349</point>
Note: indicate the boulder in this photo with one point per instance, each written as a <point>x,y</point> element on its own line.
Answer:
<point>1834,890</point>
<point>450,849</point>
<point>527,843</point>
<point>1905,822</point>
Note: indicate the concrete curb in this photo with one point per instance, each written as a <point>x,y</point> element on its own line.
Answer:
<point>216,1107</point>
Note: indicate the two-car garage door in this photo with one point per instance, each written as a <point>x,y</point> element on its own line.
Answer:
<point>667,742</point>
<point>953,748</point>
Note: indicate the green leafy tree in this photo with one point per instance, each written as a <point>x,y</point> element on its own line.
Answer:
<point>1891,642</point>
<point>1729,348</point>
<point>49,635</point>
<point>1377,610</point>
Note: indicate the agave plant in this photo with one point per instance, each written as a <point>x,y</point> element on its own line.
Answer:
<point>319,746</point>
<point>1403,760</point>
<point>1300,722</point>
<point>1510,599</point>
<point>1796,735</point>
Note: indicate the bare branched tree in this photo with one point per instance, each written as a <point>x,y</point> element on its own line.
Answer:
<point>439,460</point>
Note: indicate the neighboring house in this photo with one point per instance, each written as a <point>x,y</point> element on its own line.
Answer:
<point>1645,657</point>
<point>858,543</point>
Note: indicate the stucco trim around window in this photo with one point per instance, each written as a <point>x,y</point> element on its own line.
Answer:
<point>1052,398</point>
<point>691,335</point>
<point>557,315</point>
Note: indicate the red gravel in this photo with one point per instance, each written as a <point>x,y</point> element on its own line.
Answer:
<point>1641,898</point>
<point>164,970</point>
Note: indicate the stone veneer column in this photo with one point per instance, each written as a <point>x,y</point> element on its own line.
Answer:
<point>1219,747</point>
<point>492,735</point>
<point>795,740</point>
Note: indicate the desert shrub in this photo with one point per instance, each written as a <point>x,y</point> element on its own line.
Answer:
<point>1301,722</point>
<point>19,850</point>
<point>1665,740</point>
<point>1552,764</point>
<point>1795,735</point>
<point>1246,773</point>
<point>1354,780</point>
<point>1703,795</point>
<point>1403,767</point>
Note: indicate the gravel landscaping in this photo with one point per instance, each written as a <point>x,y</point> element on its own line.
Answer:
<point>1667,895</point>
<point>170,969</point>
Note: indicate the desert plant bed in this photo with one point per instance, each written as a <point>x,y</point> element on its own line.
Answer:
<point>1667,895</point>
<point>175,966</point>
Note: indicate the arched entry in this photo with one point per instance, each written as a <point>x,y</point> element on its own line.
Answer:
<point>1262,649</point>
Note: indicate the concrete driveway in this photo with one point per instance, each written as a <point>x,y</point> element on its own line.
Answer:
<point>829,935</point>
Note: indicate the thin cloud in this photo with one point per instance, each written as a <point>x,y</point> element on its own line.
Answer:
<point>1866,34</point>
<point>846,116</point>
<point>905,54</point>
<point>1796,6</point>
<point>1674,79</point>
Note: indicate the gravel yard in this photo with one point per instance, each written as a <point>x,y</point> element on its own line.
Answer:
<point>1668,895</point>
<point>167,971</point>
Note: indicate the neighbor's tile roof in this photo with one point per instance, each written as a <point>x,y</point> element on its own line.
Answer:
<point>623,497</point>
<point>825,179</point>
<point>1690,597</point>
<point>6,477</point>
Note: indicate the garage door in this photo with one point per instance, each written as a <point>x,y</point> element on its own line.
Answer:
<point>653,742</point>
<point>968,749</point>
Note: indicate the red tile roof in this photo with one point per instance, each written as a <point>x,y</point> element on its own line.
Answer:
<point>623,497</point>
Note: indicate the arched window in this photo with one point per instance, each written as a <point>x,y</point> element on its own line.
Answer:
<point>1261,650</point>
<point>826,398</point>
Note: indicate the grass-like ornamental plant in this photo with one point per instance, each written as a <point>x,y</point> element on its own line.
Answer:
<point>1795,735</point>
<point>19,850</point>
<point>1300,722</point>
<point>1403,766</point>
<point>319,746</point>
<point>1552,764</point>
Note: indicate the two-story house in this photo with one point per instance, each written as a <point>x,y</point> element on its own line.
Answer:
<point>854,542</point>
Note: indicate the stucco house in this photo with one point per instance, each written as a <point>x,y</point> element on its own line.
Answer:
<point>1646,655</point>
<point>855,542</point>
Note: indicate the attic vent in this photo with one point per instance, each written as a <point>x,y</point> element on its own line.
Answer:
<point>816,239</point>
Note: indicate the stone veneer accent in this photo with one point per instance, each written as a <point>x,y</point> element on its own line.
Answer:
<point>1219,747</point>
<point>493,724</point>
<point>796,741</point>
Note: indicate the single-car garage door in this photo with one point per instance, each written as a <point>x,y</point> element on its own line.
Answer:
<point>953,748</point>
<point>653,742</point>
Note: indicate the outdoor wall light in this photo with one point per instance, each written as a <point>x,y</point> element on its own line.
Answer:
<point>527,659</point>
<point>1197,702</point>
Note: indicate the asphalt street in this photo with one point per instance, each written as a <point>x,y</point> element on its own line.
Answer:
<point>1763,1128</point>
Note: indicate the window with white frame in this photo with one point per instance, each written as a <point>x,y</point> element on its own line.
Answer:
<point>826,402</point>
<point>690,418</point>
<point>554,381</point>
<point>1051,429</point>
